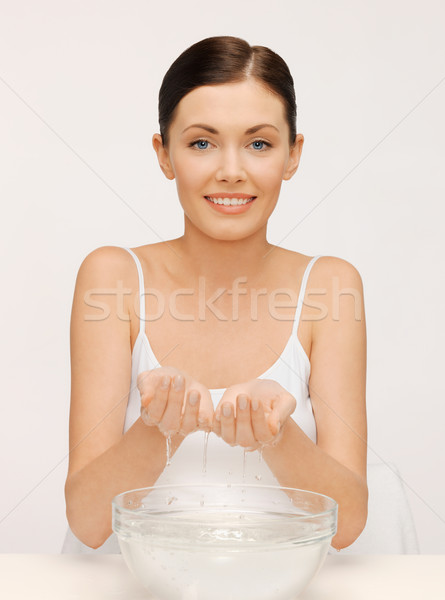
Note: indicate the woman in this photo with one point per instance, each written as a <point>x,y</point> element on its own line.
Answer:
<point>222,352</point>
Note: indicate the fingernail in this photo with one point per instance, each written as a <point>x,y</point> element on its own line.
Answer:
<point>165,382</point>
<point>227,409</point>
<point>178,382</point>
<point>193,398</point>
<point>254,404</point>
<point>242,402</point>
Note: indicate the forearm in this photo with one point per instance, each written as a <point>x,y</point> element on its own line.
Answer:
<point>297,462</point>
<point>135,461</point>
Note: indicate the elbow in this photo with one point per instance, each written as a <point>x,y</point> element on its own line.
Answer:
<point>344,538</point>
<point>351,523</point>
<point>82,523</point>
<point>91,537</point>
<point>95,543</point>
<point>91,540</point>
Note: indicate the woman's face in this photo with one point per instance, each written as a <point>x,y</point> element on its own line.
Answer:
<point>228,159</point>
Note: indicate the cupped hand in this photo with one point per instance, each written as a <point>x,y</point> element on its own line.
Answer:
<point>169,401</point>
<point>252,414</point>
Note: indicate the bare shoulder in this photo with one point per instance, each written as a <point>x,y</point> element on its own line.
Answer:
<point>109,265</point>
<point>330,266</point>
<point>111,259</point>
<point>324,269</point>
<point>113,268</point>
<point>335,290</point>
<point>337,275</point>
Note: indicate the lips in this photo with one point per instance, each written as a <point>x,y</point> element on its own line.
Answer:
<point>230,195</point>
<point>248,198</point>
<point>226,201</point>
<point>230,209</point>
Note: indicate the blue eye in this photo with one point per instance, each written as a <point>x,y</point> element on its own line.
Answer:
<point>259,142</point>
<point>198,142</point>
<point>203,141</point>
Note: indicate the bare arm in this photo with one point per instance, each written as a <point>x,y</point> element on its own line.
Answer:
<point>336,465</point>
<point>104,462</point>
<point>135,461</point>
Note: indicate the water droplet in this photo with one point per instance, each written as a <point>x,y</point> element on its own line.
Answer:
<point>169,445</point>
<point>204,456</point>
<point>260,454</point>
<point>258,477</point>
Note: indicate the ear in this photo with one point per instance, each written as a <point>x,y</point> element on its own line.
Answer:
<point>294,157</point>
<point>163,156</point>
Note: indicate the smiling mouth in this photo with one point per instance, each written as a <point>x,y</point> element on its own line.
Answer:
<point>230,201</point>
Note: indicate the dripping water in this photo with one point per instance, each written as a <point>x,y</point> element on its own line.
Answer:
<point>204,456</point>
<point>244,465</point>
<point>260,460</point>
<point>168,440</point>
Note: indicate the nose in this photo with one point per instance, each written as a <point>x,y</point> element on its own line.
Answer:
<point>230,167</point>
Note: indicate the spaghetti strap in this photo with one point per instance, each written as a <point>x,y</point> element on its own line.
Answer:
<point>302,293</point>
<point>141,290</point>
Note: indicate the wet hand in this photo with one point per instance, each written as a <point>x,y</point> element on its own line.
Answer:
<point>253,414</point>
<point>174,402</point>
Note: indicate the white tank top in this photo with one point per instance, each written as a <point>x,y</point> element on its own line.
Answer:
<point>225,464</point>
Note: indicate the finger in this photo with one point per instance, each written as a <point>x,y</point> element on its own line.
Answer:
<point>260,423</point>
<point>171,419</point>
<point>206,410</point>
<point>216,424</point>
<point>147,396</point>
<point>274,422</point>
<point>146,383</point>
<point>228,423</point>
<point>244,432</point>
<point>154,406</point>
<point>205,415</point>
<point>142,378</point>
<point>283,408</point>
<point>191,411</point>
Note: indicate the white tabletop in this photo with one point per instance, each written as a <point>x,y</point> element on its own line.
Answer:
<point>100,577</point>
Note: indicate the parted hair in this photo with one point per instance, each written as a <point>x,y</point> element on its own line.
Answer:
<point>225,59</point>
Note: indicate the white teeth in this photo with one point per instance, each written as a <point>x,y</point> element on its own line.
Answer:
<point>230,201</point>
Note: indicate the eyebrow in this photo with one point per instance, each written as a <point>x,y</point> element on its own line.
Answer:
<point>253,129</point>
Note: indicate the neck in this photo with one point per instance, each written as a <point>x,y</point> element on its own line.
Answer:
<point>222,261</point>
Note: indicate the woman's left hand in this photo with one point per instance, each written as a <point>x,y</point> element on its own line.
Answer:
<point>259,420</point>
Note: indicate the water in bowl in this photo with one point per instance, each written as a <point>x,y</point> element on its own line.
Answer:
<point>214,561</point>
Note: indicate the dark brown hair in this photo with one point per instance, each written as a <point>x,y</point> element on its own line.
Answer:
<point>225,59</point>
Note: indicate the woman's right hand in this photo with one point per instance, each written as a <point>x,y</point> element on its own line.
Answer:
<point>174,402</point>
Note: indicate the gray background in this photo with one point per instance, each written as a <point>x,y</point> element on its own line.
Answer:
<point>78,107</point>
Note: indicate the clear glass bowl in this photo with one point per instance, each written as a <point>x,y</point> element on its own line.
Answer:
<point>224,541</point>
